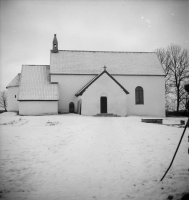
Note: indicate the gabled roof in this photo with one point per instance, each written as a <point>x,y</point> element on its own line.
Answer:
<point>15,82</point>
<point>94,79</point>
<point>118,63</point>
<point>35,84</point>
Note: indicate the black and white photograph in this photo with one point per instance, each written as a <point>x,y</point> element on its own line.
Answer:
<point>94,99</point>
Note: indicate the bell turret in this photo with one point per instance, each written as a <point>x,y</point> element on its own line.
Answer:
<point>55,44</point>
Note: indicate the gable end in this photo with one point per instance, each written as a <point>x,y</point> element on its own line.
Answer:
<point>79,93</point>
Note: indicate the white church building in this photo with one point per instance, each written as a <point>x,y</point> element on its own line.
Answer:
<point>90,83</point>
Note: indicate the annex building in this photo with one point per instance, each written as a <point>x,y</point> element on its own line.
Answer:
<point>90,83</point>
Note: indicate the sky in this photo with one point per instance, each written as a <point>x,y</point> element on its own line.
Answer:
<point>27,28</point>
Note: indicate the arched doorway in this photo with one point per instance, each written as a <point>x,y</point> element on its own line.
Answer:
<point>103,104</point>
<point>71,107</point>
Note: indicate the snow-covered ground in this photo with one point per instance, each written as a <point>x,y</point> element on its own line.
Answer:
<point>72,157</point>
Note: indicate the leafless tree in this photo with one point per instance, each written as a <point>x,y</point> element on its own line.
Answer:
<point>175,62</point>
<point>3,100</point>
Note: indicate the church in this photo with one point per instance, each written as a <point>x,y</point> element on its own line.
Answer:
<point>90,83</point>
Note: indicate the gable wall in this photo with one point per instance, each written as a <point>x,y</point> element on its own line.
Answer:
<point>12,100</point>
<point>104,86</point>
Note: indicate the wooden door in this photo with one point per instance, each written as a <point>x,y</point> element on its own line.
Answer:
<point>103,104</point>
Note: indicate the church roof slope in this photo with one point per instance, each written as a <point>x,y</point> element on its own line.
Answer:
<point>15,82</point>
<point>94,79</point>
<point>35,84</point>
<point>118,63</point>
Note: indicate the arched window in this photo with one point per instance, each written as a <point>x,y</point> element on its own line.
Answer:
<point>139,95</point>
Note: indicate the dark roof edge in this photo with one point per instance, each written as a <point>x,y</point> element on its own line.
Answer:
<point>54,83</point>
<point>117,82</point>
<point>87,85</point>
<point>105,51</point>
<point>93,80</point>
<point>34,65</point>
<point>111,74</point>
<point>12,86</point>
<point>37,100</point>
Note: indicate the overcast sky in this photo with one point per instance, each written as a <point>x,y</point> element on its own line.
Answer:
<point>27,28</point>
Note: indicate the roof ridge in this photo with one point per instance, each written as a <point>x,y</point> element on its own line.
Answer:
<point>107,51</point>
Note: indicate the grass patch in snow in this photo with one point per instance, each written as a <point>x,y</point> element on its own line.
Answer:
<point>18,122</point>
<point>49,123</point>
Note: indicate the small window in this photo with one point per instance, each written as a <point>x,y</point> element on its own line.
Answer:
<point>15,96</point>
<point>139,95</point>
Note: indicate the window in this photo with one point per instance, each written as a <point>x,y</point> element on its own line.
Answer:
<point>139,95</point>
<point>15,96</point>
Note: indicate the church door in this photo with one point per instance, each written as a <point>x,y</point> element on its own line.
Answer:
<point>103,104</point>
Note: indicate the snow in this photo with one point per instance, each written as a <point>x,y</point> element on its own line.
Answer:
<point>73,157</point>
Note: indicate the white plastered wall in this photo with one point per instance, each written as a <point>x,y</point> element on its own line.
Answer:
<point>12,93</point>
<point>154,94</point>
<point>69,85</point>
<point>104,86</point>
<point>38,107</point>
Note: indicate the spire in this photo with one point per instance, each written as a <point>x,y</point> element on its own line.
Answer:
<point>55,44</point>
<point>105,67</point>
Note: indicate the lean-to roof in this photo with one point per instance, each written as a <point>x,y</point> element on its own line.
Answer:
<point>15,82</point>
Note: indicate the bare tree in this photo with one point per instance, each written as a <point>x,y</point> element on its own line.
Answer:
<point>164,58</point>
<point>175,62</point>
<point>3,100</point>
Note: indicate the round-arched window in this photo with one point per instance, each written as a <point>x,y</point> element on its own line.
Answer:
<point>139,95</point>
